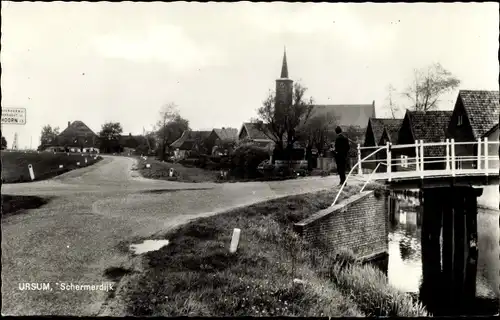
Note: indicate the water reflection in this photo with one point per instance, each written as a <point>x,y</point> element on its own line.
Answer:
<point>404,267</point>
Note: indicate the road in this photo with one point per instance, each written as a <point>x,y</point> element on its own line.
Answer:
<point>80,232</point>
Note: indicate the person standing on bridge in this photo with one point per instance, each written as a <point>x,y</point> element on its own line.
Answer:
<point>341,150</point>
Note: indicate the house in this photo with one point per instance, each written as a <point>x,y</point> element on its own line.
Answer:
<point>251,134</point>
<point>374,131</point>
<point>77,136</point>
<point>192,141</point>
<point>429,126</point>
<point>475,117</point>
<point>224,139</point>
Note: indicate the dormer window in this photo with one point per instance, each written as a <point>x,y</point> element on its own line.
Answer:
<point>460,120</point>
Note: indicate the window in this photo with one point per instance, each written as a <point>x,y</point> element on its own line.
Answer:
<point>460,120</point>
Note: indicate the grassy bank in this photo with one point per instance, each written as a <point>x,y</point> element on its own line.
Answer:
<point>45,164</point>
<point>17,204</point>
<point>160,170</point>
<point>195,274</point>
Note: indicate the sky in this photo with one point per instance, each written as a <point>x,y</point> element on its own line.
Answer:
<point>121,62</point>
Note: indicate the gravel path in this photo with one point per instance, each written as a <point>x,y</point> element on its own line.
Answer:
<point>75,237</point>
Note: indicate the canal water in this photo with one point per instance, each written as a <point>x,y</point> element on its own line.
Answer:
<point>404,266</point>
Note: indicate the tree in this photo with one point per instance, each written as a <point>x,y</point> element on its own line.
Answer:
<point>391,104</point>
<point>4,143</point>
<point>280,121</point>
<point>429,84</point>
<point>315,131</point>
<point>110,136</point>
<point>169,127</point>
<point>49,135</point>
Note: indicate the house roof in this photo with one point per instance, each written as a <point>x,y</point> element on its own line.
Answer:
<point>77,128</point>
<point>392,129</point>
<point>378,126</point>
<point>253,132</point>
<point>487,133</point>
<point>227,133</point>
<point>430,126</point>
<point>347,115</point>
<point>482,108</point>
<point>188,139</point>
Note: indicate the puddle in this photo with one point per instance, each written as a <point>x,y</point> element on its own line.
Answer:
<point>147,246</point>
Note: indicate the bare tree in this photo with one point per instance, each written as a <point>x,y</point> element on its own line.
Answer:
<point>316,130</point>
<point>391,104</point>
<point>169,127</point>
<point>429,84</point>
<point>279,122</point>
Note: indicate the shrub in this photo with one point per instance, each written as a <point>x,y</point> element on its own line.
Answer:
<point>246,159</point>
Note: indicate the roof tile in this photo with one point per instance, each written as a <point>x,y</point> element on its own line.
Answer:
<point>482,109</point>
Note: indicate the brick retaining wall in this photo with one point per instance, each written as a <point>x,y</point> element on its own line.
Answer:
<point>360,223</point>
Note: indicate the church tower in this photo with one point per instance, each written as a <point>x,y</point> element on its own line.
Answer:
<point>284,86</point>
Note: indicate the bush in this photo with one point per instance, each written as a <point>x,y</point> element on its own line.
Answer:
<point>246,159</point>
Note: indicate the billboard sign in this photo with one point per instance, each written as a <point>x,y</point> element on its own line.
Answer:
<point>14,116</point>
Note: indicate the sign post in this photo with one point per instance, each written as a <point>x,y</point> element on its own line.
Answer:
<point>32,174</point>
<point>14,116</point>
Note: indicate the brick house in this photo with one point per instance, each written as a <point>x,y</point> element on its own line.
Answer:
<point>475,116</point>
<point>192,142</point>
<point>429,126</point>
<point>373,134</point>
<point>78,137</point>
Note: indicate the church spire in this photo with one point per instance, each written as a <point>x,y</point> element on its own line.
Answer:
<point>284,67</point>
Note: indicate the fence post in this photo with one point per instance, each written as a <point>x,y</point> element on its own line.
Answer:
<point>417,159</point>
<point>422,158</point>
<point>447,154</point>
<point>360,170</point>
<point>453,157</point>
<point>486,164</point>
<point>478,165</point>
<point>389,161</point>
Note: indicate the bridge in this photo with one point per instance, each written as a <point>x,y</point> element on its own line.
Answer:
<point>449,186</point>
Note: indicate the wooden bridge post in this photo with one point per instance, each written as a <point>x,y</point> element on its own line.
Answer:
<point>431,287</point>
<point>360,170</point>
<point>478,165</point>
<point>453,164</point>
<point>389,161</point>
<point>486,164</point>
<point>447,154</point>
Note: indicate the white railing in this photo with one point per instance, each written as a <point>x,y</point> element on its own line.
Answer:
<point>480,157</point>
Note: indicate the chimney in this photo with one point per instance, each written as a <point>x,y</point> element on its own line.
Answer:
<point>69,122</point>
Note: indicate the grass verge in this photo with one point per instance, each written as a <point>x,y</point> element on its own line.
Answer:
<point>45,164</point>
<point>17,204</point>
<point>160,170</point>
<point>195,274</point>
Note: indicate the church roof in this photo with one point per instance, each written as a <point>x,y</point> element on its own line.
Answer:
<point>347,114</point>
<point>284,67</point>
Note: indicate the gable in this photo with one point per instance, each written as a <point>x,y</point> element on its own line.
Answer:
<point>482,109</point>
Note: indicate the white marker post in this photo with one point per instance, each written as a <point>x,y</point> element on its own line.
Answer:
<point>32,173</point>
<point>61,166</point>
<point>85,160</point>
<point>78,163</point>
<point>171,172</point>
<point>148,165</point>
<point>235,240</point>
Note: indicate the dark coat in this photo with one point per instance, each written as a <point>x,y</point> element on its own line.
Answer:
<point>342,146</point>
